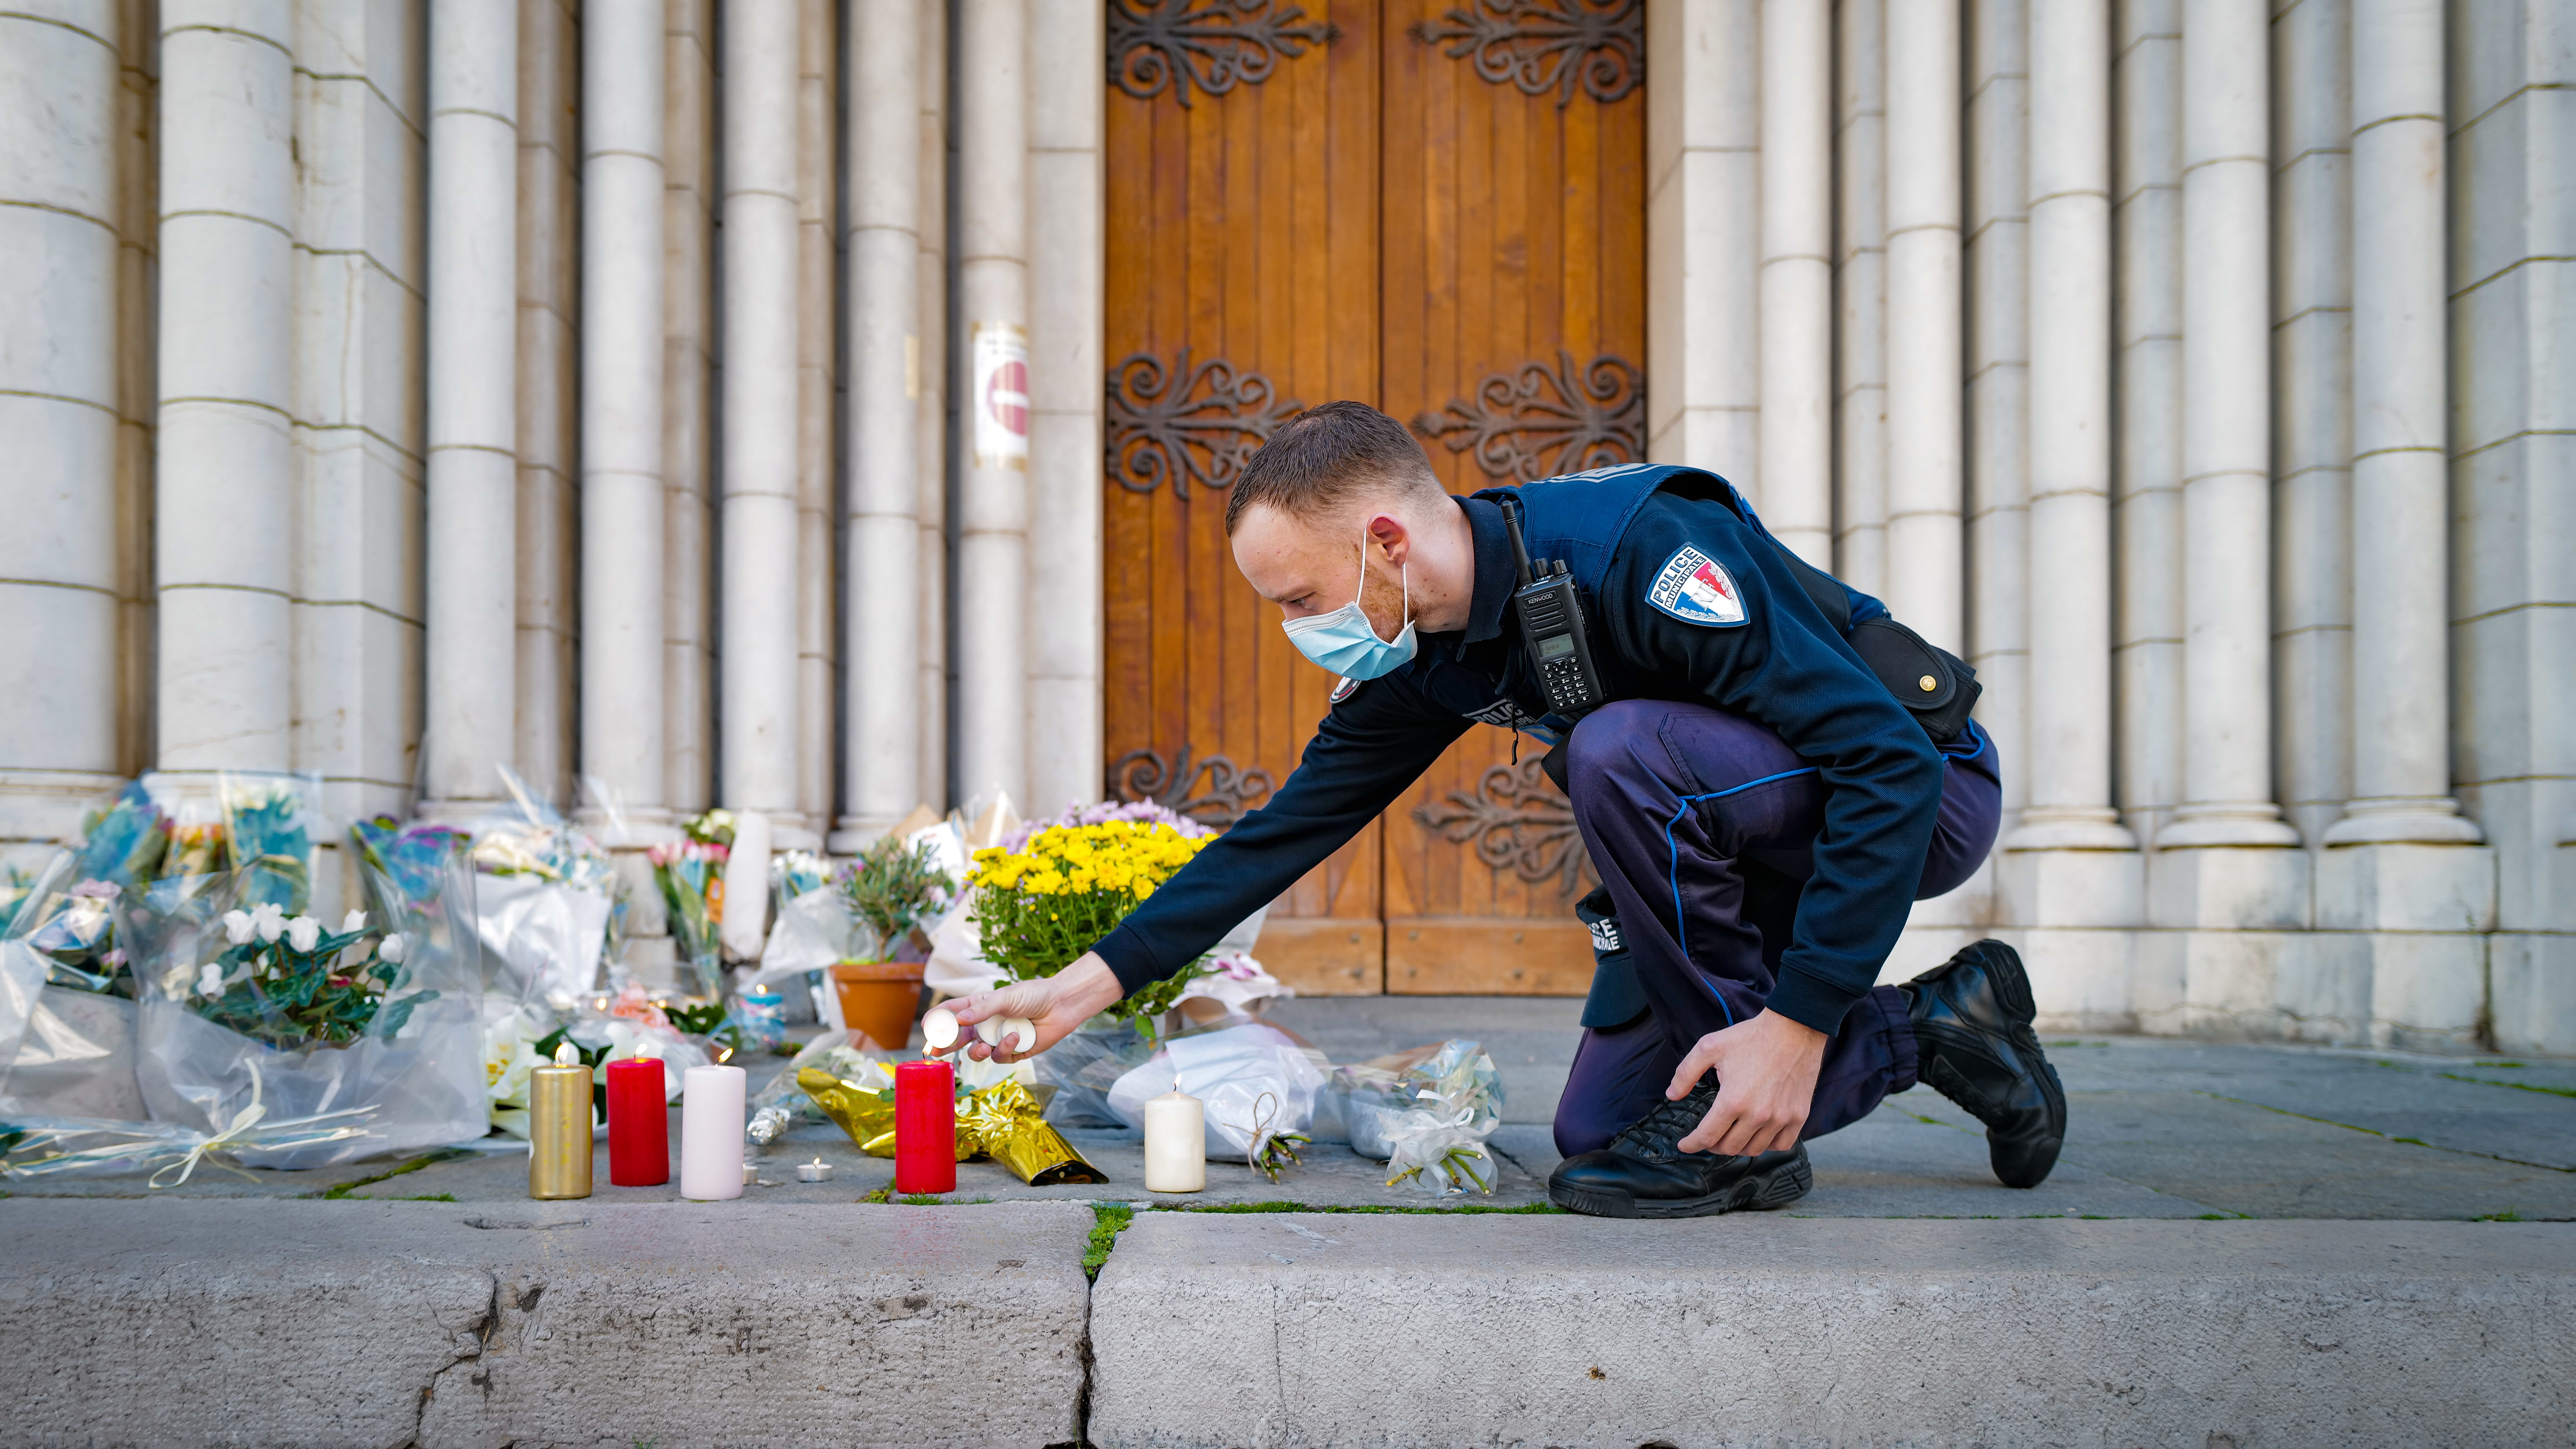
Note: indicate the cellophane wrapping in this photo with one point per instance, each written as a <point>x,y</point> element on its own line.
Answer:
<point>1427,1112</point>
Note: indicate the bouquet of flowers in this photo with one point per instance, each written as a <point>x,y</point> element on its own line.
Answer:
<point>1042,903</point>
<point>76,932</point>
<point>690,875</point>
<point>894,887</point>
<point>547,900</point>
<point>289,983</point>
<point>268,835</point>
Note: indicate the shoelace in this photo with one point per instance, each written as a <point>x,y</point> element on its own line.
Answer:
<point>1670,1122</point>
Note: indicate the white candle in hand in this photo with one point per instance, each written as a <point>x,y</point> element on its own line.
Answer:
<point>939,1028</point>
<point>1175,1143</point>
<point>711,1121</point>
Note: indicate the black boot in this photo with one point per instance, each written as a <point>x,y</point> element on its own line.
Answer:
<point>1641,1175</point>
<point>1974,1042</point>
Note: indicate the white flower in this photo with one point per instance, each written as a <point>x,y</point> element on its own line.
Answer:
<point>237,926</point>
<point>210,981</point>
<point>269,919</point>
<point>303,932</point>
<point>354,921</point>
<point>392,950</point>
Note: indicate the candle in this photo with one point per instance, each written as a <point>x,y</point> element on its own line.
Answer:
<point>815,1171</point>
<point>1175,1143</point>
<point>639,1123</point>
<point>711,1134</point>
<point>939,1028</point>
<point>925,1127</point>
<point>559,1127</point>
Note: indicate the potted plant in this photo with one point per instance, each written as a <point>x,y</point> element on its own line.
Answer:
<point>891,889</point>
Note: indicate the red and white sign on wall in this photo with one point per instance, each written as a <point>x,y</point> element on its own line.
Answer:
<point>1000,353</point>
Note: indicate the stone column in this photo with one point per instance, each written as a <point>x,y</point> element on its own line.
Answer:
<point>992,275</point>
<point>2227,434</point>
<point>1860,294</point>
<point>757,662</point>
<point>223,500</point>
<point>818,330</point>
<point>622,506</point>
<point>2071,872</point>
<point>930,419</point>
<point>881,721</point>
<point>1068,65</point>
<point>2400,867</point>
<point>689,372</point>
<point>2401,404</point>
<point>1703,239</point>
<point>1925,565</point>
<point>473,401</point>
<point>61,581</point>
<point>1797,279</point>
<point>549,395</point>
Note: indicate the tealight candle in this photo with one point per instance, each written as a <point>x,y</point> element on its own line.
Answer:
<point>815,1171</point>
<point>559,1127</point>
<point>1175,1143</point>
<point>925,1128</point>
<point>639,1123</point>
<point>939,1028</point>
<point>711,1165</point>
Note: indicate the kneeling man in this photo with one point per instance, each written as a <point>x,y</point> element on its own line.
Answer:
<point>1765,768</point>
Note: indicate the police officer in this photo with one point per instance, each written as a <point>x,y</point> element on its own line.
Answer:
<point>1773,772</point>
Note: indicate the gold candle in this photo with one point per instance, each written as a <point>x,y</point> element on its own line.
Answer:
<point>559,1127</point>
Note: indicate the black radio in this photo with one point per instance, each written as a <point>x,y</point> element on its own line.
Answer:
<point>1552,626</point>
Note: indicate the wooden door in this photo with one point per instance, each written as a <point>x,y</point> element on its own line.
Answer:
<point>1436,212</point>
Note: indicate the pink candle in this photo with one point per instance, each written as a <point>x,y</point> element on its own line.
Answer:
<point>925,1128</point>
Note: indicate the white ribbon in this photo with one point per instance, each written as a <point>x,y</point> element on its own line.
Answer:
<point>243,1121</point>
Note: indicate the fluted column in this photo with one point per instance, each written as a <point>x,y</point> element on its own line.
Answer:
<point>992,274</point>
<point>61,580</point>
<point>1068,66</point>
<point>881,722</point>
<point>818,329</point>
<point>621,413</point>
<point>473,400</point>
<point>1925,565</point>
<point>2227,775</point>
<point>756,663</point>
<point>2069,746</point>
<point>549,386</point>
<point>1797,282</point>
<point>930,417</point>
<point>1703,241</point>
<point>223,504</point>
<point>2400,525</point>
<point>1860,294</point>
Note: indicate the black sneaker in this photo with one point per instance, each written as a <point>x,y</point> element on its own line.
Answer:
<point>1641,1175</point>
<point>1975,1045</point>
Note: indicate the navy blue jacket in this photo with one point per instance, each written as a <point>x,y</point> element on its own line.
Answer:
<point>1777,661</point>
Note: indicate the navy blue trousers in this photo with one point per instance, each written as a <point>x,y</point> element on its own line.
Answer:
<point>1736,862</point>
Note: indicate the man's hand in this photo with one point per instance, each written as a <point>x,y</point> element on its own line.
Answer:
<point>1055,1004</point>
<point>1766,1081</point>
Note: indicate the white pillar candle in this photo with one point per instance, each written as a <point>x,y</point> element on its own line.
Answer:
<point>1175,1143</point>
<point>711,1121</point>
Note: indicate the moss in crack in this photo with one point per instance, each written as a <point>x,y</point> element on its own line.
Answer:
<point>1462,1210</point>
<point>1108,1220</point>
<point>345,1190</point>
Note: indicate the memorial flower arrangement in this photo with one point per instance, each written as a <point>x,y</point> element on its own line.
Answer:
<point>1041,902</point>
<point>690,874</point>
<point>895,887</point>
<point>287,982</point>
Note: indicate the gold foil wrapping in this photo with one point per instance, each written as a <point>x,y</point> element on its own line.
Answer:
<point>1005,1121</point>
<point>559,1132</point>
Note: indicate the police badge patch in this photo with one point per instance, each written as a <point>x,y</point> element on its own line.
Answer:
<point>1697,589</point>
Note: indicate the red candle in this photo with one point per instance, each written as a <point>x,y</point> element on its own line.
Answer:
<point>925,1127</point>
<point>639,1124</point>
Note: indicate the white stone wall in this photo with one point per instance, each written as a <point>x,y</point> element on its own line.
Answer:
<point>401,390</point>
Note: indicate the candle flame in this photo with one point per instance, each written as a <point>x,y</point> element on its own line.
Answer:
<point>567,1055</point>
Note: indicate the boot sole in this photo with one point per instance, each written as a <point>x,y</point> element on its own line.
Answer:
<point>1757,1192</point>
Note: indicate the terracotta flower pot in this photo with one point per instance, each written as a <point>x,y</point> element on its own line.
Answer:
<point>879,998</point>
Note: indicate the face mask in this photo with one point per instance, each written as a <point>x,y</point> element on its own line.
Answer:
<point>1344,641</point>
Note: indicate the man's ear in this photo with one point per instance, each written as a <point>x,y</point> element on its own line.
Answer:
<point>1393,536</point>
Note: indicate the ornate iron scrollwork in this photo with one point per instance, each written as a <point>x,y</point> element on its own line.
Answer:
<point>1519,823</point>
<point>1536,421</point>
<point>1231,790</point>
<point>1159,424</point>
<point>1154,44</point>
<point>1543,45</point>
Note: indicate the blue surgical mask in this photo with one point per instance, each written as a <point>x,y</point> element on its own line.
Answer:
<point>1344,641</point>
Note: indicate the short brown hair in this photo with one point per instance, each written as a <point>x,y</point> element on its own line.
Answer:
<point>1324,457</point>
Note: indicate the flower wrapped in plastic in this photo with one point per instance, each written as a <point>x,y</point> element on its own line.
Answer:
<point>689,872</point>
<point>95,1147</point>
<point>548,901</point>
<point>271,828</point>
<point>1428,1112</point>
<point>1258,1085</point>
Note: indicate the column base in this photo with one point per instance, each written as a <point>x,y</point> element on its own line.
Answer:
<point>2433,820</point>
<point>458,812</point>
<point>2531,980</point>
<point>2224,889</point>
<point>643,828</point>
<point>852,834</point>
<point>2065,829</point>
<point>2406,887</point>
<point>47,805</point>
<point>2094,889</point>
<point>2253,823</point>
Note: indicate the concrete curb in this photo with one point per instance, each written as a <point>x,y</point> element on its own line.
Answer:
<point>1341,1330</point>
<point>275,1323</point>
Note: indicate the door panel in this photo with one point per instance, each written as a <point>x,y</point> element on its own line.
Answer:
<point>1372,219</point>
